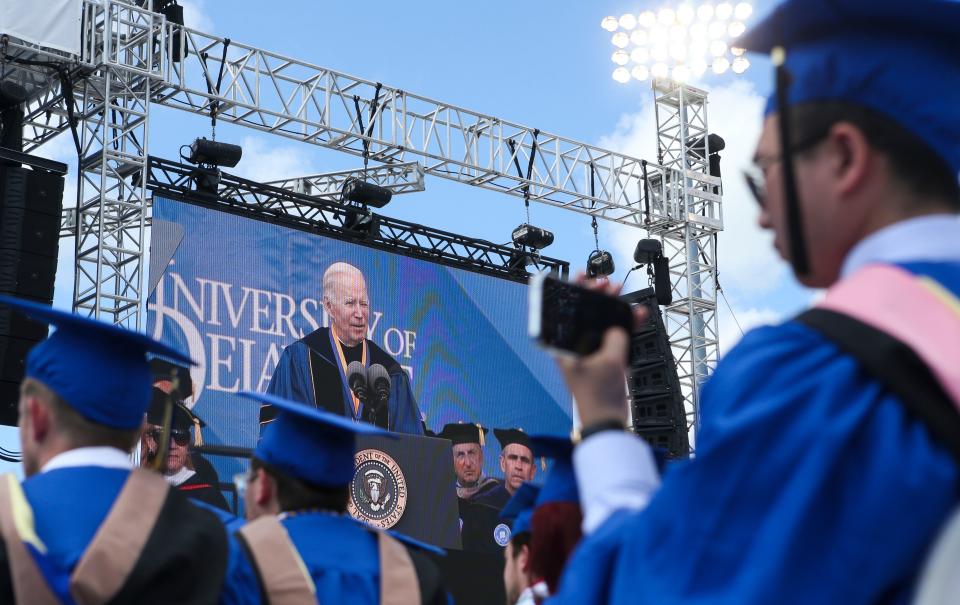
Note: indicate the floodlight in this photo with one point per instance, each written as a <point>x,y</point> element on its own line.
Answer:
<point>368,194</point>
<point>639,37</point>
<point>600,262</point>
<point>698,31</point>
<point>736,29</point>
<point>724,11</point>
<point>610,24</point>
<point>647,19</point>
<point>660,70</point>
<point>640,73</point>
<point>620,57</point>
<point>698,67</point>
<point>660,52</point>
<point>639,55</point>
<point>740,65</point>
<point>681,73</point>
<point>718,48</point>
<point>621,75</point>
<point>716,30</point>
<point>529,236</point>
<point>620,40</point>
<point>743,11</point>
<point>659,35</point>
<point>205,152</point>
<point>628,21</point>
<point>705,12</point>
<point>721,65</point>
<point>686,14</point>
<point>736,52</point>
<point>667,16</point>
<point>678,33</point>
<point>678,52</point>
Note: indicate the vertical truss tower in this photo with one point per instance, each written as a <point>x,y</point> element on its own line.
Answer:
<point>689,237</point>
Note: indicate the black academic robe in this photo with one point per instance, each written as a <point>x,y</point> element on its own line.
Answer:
<point>183,561</point>
<point>309,371</point>
<point>199,488</point>
<point>478,532</point>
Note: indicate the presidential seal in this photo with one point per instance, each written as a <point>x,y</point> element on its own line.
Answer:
<point>378,491</point>
<point>501,534</point>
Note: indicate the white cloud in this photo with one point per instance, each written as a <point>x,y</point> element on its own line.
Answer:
<point>747,319</point>
<point>195,15</point>
<point>263,161</point>
<point>747,261</point>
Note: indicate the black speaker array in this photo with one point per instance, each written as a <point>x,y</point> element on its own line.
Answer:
<point>30,205</point>
<point>653,387</point>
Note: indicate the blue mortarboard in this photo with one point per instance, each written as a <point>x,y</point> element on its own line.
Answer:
<point>878,54</point>
<point>519,508</point>
<point>561,483</point>
<point>98,369</point>
<point>309,444</point>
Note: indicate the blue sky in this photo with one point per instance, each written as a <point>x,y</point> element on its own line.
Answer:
<point>543,64</point>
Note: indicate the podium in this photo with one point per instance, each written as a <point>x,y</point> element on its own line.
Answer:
<point>407,484</point>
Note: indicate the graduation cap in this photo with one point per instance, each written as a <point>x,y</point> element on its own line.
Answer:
<point>561,483</point>
<point>510,436</point>
<point>100,370</point>
<point>519,508</point>
<point>461,432</point>
<point>164,370</point>
<point>182,418</point>
<point>872,53</point>
<point>309,444</point>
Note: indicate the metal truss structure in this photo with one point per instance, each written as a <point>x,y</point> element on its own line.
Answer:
<point>689,236</point>
<point>398,178</point>
<point>332,219</point>
<point>133,58</point>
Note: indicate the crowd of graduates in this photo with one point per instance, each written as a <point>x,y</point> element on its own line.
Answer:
<point>828,457</point>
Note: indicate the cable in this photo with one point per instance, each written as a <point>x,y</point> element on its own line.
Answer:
<point>732,314</point>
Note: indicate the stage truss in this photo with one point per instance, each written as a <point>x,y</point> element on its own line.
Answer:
<point>132,58</point>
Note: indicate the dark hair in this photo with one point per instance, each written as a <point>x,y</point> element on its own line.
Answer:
<point>296,494</point>
<point>79,431</point>
<point>913,162</point>
<point>556,532</point>
<point>518,541</point>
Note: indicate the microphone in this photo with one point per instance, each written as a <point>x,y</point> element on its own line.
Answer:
<point>357,379</point>
<point>379,380</point>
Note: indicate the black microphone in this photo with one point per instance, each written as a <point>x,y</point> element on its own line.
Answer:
<point>357,380</point>
<point>379,379</point>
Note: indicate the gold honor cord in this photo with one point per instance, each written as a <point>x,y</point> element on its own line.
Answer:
<point>343,364</point>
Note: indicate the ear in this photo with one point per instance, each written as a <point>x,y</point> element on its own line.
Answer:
<point>503,463</point>
<point>265,489</point>
<point>853,157</point>
<point>524,558</point>
<point>40,419</point>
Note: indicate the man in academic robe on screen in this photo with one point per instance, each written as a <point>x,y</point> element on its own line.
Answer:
<point>313,370</point>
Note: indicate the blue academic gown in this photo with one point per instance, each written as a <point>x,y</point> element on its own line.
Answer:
<point>812,484</point>
<point>340,553</point>
<point>292,380</point>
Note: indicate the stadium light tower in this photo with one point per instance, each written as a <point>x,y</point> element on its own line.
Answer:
<point>678,42</point>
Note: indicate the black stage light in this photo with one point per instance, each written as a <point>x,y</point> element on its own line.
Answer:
<point>599,263</point>
<point>368,194</point>
<point>214,153</point>
<point>650,252</point>
<point>206,179</point>
<point>362,222</point>
<point>535,238</point>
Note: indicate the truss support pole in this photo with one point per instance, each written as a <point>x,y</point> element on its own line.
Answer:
<point>689,239</point>
<point>110,228</point>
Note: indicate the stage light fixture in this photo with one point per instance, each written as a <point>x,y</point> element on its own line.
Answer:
<point>621,75</point>
<point>610,24</point>
<point>649,252</point>
<point>368,194</point>
<point>627,21</point>
<point>640,73</point>
<point>529,236</point>
<point>600,262</point>
<point>362,222</point>
<point>620,40</point>
<point>620,57</point>
<point>205,152</point>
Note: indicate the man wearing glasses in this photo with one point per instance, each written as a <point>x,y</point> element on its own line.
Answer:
<point>179,467</point>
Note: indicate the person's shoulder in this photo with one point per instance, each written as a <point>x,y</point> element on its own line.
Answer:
<point>379,355</point>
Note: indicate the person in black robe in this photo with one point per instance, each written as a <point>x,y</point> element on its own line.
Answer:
<point>516,463</point>
<point>313,370</point>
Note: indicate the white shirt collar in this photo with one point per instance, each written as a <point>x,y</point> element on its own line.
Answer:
<point>106,457</point>
<point>935,237</point>
<point>180,476</point>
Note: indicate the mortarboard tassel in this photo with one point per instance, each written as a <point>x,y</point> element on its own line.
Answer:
<point>480,431</point>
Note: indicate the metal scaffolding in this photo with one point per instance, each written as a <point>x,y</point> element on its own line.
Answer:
<point>132,58</point>
<point>689,236</point>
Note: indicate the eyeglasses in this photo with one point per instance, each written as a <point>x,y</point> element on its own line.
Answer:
<point>756,176</point>
<point>181,438</point>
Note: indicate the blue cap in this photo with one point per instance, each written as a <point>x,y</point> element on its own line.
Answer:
<point>561,483</point>
<point>99,369</point>
<point>881,54</point>
<point>309,444</point>
<point>519,508</point>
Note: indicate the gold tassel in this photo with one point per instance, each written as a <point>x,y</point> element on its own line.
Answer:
<point>480,432</point>
<point>197,436</point>
<point>543,464</point>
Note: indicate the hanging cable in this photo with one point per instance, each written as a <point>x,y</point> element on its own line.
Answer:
<point>211,90</point>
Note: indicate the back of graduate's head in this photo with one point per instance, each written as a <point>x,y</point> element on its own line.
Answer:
<point>48,426</point>
<point>270,491</point>
<point>516,566</point>
<point>555,527</point>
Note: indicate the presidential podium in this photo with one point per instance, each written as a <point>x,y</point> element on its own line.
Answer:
<point>406,483</point>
